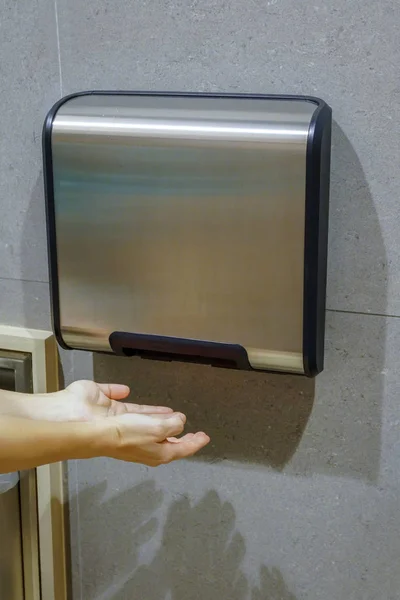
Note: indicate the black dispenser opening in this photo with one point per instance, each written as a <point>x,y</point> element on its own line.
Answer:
<point>154,347</point>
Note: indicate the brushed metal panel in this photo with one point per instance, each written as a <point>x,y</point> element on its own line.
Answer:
<point>182,217</point>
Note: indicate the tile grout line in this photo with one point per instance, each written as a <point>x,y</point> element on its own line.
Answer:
<point>23,280</point>
<point>58,46</point>
<point>361,313</point>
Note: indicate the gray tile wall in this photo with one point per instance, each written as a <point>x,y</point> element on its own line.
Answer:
<point>297,496</point>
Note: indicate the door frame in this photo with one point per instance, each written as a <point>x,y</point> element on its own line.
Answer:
<point>43,497</point>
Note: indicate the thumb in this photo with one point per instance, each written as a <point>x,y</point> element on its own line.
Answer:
<point>168,427</point>
<point>140,428</point>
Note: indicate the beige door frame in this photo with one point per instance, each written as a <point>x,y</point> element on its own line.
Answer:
<point>42,490</point>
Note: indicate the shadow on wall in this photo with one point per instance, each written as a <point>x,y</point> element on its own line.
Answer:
<point>127,521</point>
<point>357,261</point>
<point>345,436</point>
<point>200,551</point>
<point>201,555</point>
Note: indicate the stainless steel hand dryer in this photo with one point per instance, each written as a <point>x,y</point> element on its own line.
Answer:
<point>190,226</point>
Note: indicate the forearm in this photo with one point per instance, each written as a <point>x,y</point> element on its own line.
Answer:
<point>14,404</point>
<point>26,443</point>
<point>47,407</point>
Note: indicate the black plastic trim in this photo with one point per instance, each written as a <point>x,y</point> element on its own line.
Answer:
<point>51,219</point>
<point>184,350</point>
<point>316,239</point>
<point>316,223</point>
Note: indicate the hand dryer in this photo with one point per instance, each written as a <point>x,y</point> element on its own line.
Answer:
<point>190,226</point>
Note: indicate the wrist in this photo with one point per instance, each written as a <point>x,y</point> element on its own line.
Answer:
<point>28,443</point>
<point>76,440</point>
<point>101,437</point>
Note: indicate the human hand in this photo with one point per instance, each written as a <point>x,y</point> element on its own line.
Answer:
<point>131,432</point>
<point>80,401</point>
<point>87,401</point>
<point>87,420</point>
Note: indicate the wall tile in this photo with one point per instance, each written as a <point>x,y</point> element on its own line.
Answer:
<point>25,304</point>
<point>30,83</point>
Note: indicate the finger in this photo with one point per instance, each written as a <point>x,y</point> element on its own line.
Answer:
<point>169,427</point>
<point>184,448</point>
<point>166,415</point>
<point>115,391</point>
<point>175,440</point>
<point>148,410</point>
<point>156,415</point>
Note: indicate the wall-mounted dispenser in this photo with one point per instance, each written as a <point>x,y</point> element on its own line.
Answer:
<point>187,226</point>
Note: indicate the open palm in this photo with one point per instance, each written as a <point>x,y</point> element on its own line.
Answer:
<point>88,400</point>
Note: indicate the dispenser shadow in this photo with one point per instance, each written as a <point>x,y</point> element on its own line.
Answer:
<point>200,552</point>
<point>344,434</point>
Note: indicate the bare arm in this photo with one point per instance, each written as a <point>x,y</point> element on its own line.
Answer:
<point>87,420</point>
<point>30,406</point>
<point>27,443</point>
